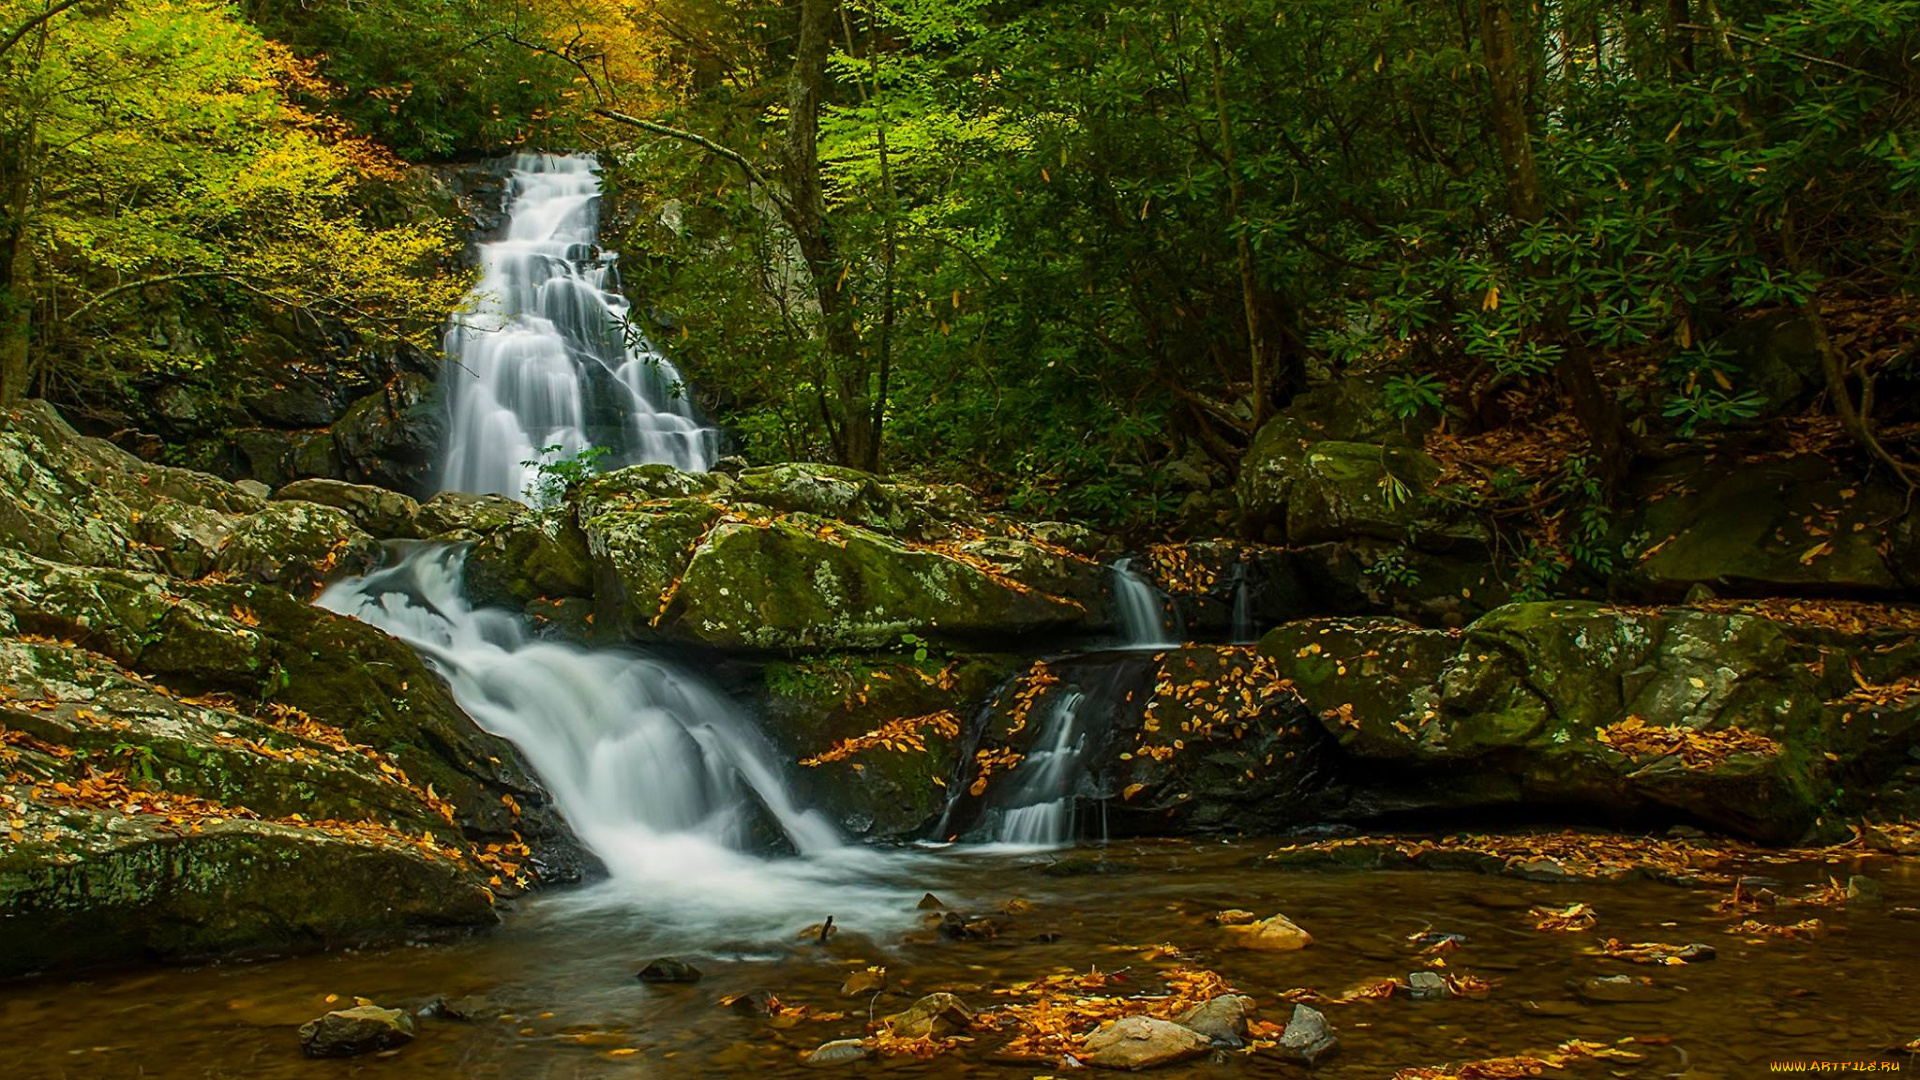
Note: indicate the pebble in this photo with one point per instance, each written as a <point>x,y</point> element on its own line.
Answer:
<point>1141,1042</point>
<point>352,1032</point>
<point>1427,986</point>
<point>1308,1037</point>
<point>1223,1019</point>
<point>1274,934</point>
<point>669,969</point>
<point>837,1052</point>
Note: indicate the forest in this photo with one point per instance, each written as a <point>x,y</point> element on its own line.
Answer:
<point>1372,538</point>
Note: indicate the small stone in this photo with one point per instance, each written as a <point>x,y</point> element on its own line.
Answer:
<point>837,1052</point>
<point>1232,917</point>
<point>1223,1019</point>
<point>1141,1042</point>
<point>352,1032</point>
<point>870,981</point>
<point>669,969</point>
<point>254,488</point>
<point>751,1003</point>
<point>1434,937</point>
<point>934,1016</point>
<point>960,928</point>
<point>1308,1037</point>
<point>1427,986</point>
<point>1619,989</point>
<point>930,902</point>
<point>1275,934</point>
<point>1905,912</point>
<point>1695,953</point>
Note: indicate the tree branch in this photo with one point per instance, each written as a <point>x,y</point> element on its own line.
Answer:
<point>25,28</point>
<point>727,153</point>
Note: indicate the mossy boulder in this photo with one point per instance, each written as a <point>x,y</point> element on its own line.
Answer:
<point>808,583</point>
<point>538,556</point>
<point>91,886</point>
<point>392,437</point>
<point>299,546</point>
<point>877,735</point>
<point>1715,717</point>
<point>457,515</point>
<point>1801,526</point>
<point>386,515</point>
<point>68,498</point>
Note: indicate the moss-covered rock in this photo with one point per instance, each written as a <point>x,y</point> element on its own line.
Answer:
<point>1795,526</point>
<point>807,583</point>
<point>386,515</point>
<point>299,546</point>
<point>392,437</point>
<point>1717,717</point>
<point>535,557</point>
<point>877,735</point>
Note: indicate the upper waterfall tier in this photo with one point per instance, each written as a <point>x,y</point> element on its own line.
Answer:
<point>547,356</point>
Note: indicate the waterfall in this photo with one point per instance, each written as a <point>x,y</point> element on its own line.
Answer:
<point>1038,807</point>
<point>547,356</point>
<point>1137,602</point>
<point>1243,628</point>
<point>657,772</point>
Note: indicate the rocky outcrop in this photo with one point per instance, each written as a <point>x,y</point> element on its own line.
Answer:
<point>804,558</point>
<point>1724,717</point>
<point>876,735</point>
<point>196,760</point>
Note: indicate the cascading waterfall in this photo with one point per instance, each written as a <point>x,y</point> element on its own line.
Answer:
<point>1038,809</point>
<point>658,774</point>
<point>547,356</point>
<point>1137,602</point>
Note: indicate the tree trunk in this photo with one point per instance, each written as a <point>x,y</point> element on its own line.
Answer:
<point>1249,283</point>
<point>1595,408</point>
<point>806,214</point>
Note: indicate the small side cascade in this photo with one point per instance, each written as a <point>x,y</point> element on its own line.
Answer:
<point>1243,629</point>
<point>1140,608</point>
<point>548,355</point>
<point>1037,811</point>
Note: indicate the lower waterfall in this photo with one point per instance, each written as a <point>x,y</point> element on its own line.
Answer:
<point>665,779</point>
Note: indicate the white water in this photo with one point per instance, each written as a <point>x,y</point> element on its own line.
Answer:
<point>546,355</point>
<point>657,772</point>
<point>1243,628</point>
<point>1038,808</point>
<point>1137,602</point>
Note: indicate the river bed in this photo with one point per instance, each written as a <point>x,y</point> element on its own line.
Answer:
<point>552,994</point>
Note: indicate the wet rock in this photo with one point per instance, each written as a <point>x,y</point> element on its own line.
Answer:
<point>957,927</point>
<point>930,902</point>
<point>755,1003</point>
<point>870,981</point>
<point>1619,989</point>
<point>1308,1037</point>
<point>669,969</point>
<point>1223,1019</point>
<point>837,1052</point>
<point>1276,933</point>
<point>352,1032</point>
<point>1553,1009</point>
<point>298,546</point>
<point>934,1016</point>
<point>1439,938</point>
<point>1232,917</point>
<point>1427,986</point>
<point>1141,1042</point>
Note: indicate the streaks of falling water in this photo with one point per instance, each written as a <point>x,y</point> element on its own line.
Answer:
<point>547,356</point>
<point>657,772</point>
<point>1038,810</point>
<point>1137,602</point>
<point>1243,629</point>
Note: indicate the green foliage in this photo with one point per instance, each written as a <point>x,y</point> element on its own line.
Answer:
<point>1408,395</point>
<point>557,471</point>
<point>1390,568</point>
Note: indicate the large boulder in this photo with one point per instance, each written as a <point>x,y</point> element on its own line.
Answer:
<point>1798,526</point>
<point>1720,717</point>
<point>299,546</point>
<point>754,565</point>
<point>385,514</point>
<point>392,437</point>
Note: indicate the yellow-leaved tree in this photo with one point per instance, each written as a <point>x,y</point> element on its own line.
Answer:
<point>149,154</point>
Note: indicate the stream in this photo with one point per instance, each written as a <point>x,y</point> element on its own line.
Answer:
<point>552,994</point>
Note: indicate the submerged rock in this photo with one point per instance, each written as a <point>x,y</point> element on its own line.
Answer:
<point>1276,933</point>
<point>1427,986</point>
<point>1141,1042</point>
<point>352,1032</point>
<point>1619,989</point>
<point>669,969</point>
<point>1308,1038</point>
<point>837,1052</point>
<point>1223,1019</point>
